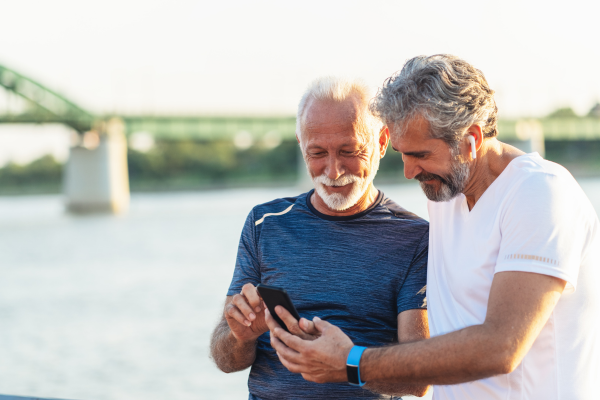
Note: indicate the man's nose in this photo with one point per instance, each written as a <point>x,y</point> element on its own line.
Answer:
<point>335,169</point>
<point>411,167</point>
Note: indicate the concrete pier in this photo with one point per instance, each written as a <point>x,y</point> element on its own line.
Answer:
<point>96,177</point>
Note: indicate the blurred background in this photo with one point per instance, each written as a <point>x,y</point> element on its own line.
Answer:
<point>136,136</point>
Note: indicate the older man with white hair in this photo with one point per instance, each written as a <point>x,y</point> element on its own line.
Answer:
<point>343,251</point>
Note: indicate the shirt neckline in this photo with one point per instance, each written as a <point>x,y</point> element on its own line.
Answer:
<point>344,217</point>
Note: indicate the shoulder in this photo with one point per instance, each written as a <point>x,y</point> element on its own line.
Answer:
<point>277,206</point>
<point>400,214</point>
<point>532,167</point>
<point>532,176</point>
<point>540,188</point>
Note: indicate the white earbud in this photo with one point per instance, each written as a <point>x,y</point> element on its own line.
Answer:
<point>473,149</point>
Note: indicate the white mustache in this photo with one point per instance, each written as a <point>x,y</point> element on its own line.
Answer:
<point>343,180</point>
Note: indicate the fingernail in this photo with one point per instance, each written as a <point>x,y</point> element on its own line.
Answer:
<point>251,316</point>
<point>316,318</point>
<point>257,309</point>
<point>248,323</point>
<point>267,312</point>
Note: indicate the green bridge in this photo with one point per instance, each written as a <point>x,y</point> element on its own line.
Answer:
<point>44,105</point>
<point>96,175</point>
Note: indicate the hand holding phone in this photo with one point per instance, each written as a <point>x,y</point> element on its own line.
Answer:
<point>275,296</point>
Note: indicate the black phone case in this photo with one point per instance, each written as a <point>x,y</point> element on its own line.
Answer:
<point>275,296</point>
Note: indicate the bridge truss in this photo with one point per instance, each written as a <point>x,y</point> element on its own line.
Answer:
<point>43,105</point>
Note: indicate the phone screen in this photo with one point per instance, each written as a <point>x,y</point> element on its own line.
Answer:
<point>275,296</point>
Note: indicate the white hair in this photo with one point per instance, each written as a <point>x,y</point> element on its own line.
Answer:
<point>339,90</point>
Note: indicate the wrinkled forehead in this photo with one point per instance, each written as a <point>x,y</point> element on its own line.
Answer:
<point>330,117</point>
<point>326,112</point>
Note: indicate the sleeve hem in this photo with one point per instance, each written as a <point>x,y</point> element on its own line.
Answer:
<point>413,307</point>
<point>541,269</point>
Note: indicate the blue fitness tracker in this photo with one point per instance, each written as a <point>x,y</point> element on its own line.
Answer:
<point>352,365</point>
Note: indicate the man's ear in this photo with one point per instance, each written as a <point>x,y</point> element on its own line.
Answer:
<point>477,133</point>
<point>384,140</point>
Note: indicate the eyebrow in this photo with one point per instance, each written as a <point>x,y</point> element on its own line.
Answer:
<point>412,153</point>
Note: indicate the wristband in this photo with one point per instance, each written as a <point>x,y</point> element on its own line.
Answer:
<point>352,365</point>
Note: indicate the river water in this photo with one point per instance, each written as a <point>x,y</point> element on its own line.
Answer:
<point>121,307</point>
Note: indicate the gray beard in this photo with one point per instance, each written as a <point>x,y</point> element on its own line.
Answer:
<point>451,185</point>
<point>337,201</point>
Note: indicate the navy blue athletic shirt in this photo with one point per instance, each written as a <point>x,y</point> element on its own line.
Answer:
<point>357,272</point>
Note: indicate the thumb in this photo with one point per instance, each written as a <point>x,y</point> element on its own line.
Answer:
<point>320,324</point>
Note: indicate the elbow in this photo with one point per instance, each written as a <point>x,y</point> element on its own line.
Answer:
<point>506,362</point>
<point>420,391</point>
<point>223,367</point>
<point>226,369</point>
<point>507,365</point>
<point>504,354</point>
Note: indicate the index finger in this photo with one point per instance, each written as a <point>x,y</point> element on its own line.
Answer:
<point>271,323</point>
<point>249,290</point>
<point>287,318</point>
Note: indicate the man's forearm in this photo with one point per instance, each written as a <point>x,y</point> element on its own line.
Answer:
<point>397,389</point>
<point>457,357</point>
<point>229,354</point>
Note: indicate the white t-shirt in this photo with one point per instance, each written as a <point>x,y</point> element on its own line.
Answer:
<point>535,218</point>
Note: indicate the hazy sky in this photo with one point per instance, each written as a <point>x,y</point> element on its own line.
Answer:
<point>248,57</point>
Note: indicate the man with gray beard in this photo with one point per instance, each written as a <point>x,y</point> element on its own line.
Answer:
<point>514,257</point>
<point>343,251</point>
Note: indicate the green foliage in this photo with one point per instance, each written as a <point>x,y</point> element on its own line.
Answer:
<point>43,174</point>
<point>595,111</point>
<point>216,163</point>
<point>566,112</point>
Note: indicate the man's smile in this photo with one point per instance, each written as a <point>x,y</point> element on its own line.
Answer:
<point>338,189</point>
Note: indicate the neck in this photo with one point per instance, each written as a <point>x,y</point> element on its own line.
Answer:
<point>494,156</point>
<point>361,205</point>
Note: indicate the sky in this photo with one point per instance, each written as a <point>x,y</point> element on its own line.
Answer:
<point>256,57</point>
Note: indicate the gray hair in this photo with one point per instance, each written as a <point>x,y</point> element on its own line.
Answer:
<point>339,90</point>
<point>448,92</point>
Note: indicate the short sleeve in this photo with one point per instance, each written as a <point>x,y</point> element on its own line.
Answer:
<point>247,267</point>
<point>544,227</point>
<point>413,290</point>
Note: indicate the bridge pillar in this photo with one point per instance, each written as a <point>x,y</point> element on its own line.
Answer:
<point>96,177</point>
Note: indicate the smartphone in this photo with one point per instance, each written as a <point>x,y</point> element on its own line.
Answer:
<point>276,296</point>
